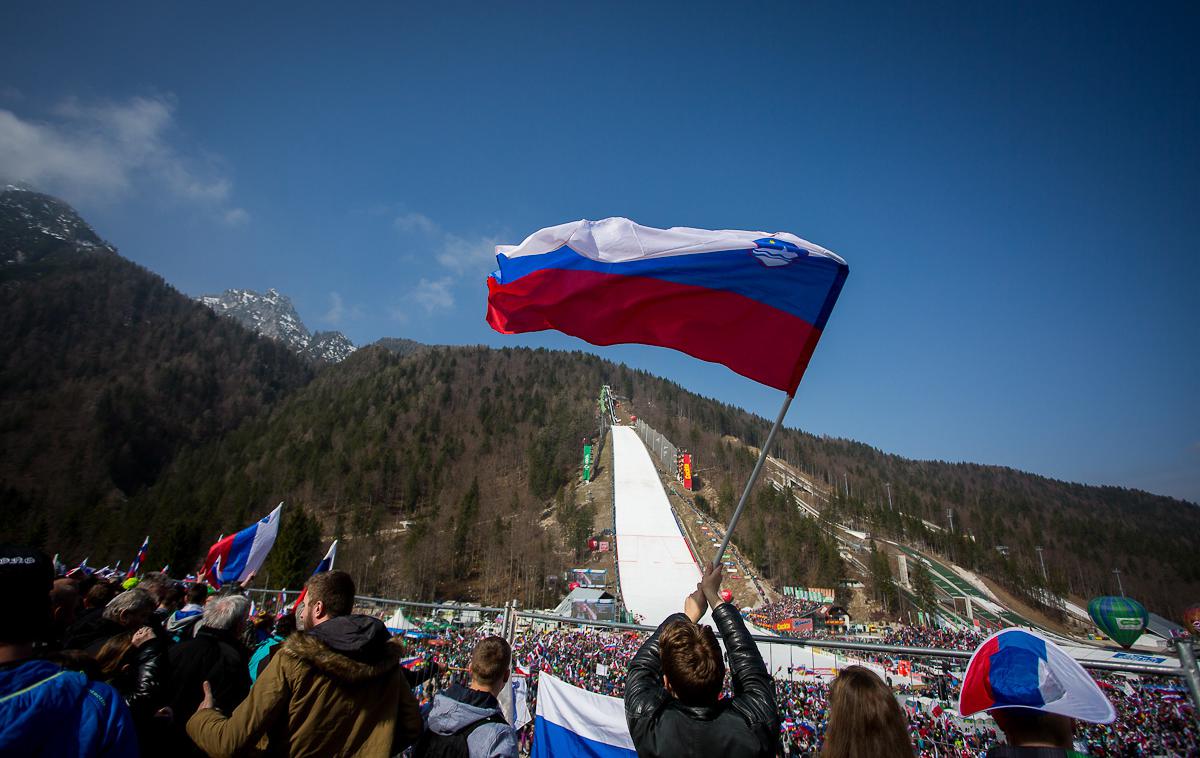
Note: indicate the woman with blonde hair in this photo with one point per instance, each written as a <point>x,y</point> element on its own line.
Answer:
<point>864,718</point>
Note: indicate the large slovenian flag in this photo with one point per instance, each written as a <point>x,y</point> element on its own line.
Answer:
<point>752,301</point>
<point>573,721</point>
<point>326,564</point>
<point>141,556</point>
<point>239,555</point>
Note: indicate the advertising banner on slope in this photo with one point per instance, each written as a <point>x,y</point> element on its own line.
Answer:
<point>687,471</point>
<point>587,463</point>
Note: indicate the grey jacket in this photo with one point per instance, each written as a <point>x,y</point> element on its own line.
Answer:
<point>458,708</point>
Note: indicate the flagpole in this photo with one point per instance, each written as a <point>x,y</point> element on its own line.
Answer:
<point>762,457</point>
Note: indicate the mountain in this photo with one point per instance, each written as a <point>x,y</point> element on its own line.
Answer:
<point>106,373</point>
<point>35,226</point>
<point>273,315</point>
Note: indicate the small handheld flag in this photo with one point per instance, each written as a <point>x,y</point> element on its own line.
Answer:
<point>137,561</point>
<point>243,553</point>
<point>326,564</point>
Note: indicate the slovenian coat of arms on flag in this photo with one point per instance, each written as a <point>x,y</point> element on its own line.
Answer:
<point>752,301</point>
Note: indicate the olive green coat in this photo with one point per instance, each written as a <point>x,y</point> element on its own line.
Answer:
<point>312,701</point>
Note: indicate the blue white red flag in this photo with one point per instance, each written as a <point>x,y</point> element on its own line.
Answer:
<point>243,553</point>
<point>82,568</point>
<point>573,721</point>
<point>137,561</point>
<point>326,564</point>
<point>1018,668</point>
<point>752,301</point>
<point>213,574</point>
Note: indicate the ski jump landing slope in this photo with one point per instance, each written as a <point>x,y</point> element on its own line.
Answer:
<point>654,564</point>
<point>656,568</point>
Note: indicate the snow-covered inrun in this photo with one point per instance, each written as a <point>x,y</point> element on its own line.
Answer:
<point>656,569</point>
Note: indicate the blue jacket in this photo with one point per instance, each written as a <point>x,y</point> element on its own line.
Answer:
<point>47,710</point>
<point>262,655</point>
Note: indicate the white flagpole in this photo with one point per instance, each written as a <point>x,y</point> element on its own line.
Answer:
<point>762,457</point>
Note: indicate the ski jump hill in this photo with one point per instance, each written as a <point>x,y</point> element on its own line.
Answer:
<point>656,569</point>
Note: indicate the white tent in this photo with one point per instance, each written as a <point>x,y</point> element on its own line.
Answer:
<point>400,622</point>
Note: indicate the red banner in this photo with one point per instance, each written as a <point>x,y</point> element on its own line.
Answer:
<point>687,471</point>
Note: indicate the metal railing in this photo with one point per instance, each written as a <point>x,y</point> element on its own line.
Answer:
<point>1187,670</point>
<point>866,647</point>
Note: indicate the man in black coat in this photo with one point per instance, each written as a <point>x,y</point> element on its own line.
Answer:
<point>672,695</point>
<point>215,655</point>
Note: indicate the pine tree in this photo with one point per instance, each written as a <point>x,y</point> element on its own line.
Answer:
<point>922,583</point>
<point>297,549</point>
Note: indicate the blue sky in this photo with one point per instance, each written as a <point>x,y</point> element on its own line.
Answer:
<point>1015,186</point>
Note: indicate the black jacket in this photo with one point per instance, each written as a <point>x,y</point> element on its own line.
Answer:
<point>746,725</point>
<point>213,656</point>
<point>90,632</point>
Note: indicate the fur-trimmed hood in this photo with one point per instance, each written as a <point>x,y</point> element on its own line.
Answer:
<point>347,648</point>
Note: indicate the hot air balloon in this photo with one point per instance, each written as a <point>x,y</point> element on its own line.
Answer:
<point>1121,618</point>
<point>726,596</point>
<point>1191,619</point>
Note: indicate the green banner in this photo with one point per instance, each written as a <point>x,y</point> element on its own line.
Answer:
<point>587,463</point>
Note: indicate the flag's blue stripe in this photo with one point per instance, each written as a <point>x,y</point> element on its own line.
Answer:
<point>551,741</point>
<point>239,552</point>
<point>801,288</point>
<point>1014,669</point>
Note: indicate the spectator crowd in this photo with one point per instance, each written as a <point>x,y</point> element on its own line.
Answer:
<point>196,671</point>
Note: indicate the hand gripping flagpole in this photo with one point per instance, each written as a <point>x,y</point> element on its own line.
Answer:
<point>762,457</point>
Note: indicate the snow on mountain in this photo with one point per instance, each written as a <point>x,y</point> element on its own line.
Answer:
<point>33,225</point>
<point>272,314</point>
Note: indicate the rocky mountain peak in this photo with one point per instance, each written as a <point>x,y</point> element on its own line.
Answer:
<point>272,314</point>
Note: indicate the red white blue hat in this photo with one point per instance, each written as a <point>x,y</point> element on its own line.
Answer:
<point>1017,668</point>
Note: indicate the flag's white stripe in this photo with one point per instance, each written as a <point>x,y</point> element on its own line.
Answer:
<point>587,714</point>
<point>619,239</point>
<point>264,538</point>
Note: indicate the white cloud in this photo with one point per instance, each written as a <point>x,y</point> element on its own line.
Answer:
<point>337,309</point>
<point>102,150</point>
<point>415,222</point>
<point>468,255</point>
<point>434,294</point>
<point>396,313</point>
<point>462,254</point>
<point>236,217</point>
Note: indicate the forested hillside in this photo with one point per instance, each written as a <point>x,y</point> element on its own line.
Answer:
<point>1085,531</point>
<point>471,445</point>
<point>106,373</point>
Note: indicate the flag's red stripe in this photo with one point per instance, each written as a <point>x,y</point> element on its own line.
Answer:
<point>219,550</point>
<point>750,337</point>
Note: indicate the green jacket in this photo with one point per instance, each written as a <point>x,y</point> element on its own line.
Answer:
<point>314,701</point>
